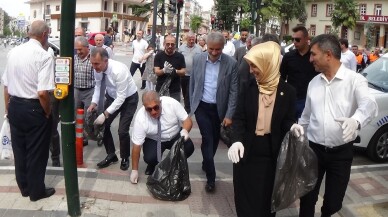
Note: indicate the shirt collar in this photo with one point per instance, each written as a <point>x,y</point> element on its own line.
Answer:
<point>218,60</point>
<point>340,74</point>
<point>35,42</point>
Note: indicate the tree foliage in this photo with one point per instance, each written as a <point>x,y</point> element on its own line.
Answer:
<point>227,10</point>
<point>139,10</point>
<point>345,13</point>
<point>195,22</point>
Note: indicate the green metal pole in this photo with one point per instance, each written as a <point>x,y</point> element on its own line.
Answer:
<point>178,20</point>
<point>67,112</point>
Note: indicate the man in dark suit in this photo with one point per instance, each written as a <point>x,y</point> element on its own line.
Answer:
<point>241,51</point>
<point>213,95</point>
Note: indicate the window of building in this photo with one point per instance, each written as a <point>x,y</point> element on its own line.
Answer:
<point>312,30</point>
<point>115,6</point>
<point>314,10</point>
<point>124,8</point>
<point>57,8</point>
<point>59,25</point>
<point>378,9</point>
<point>327,29</point>
<point>34,14</point>
<point>362,9</point>
<point>47,12</point>
<point>105,5</point>
<point>329,10</point>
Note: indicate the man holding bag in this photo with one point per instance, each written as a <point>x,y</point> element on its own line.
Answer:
<point>338,104</point>
<point>27,102</point>
<point>156,128</point>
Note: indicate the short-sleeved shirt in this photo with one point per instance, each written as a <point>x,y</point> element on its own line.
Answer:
<point>145,126</point>
<point>29,69</point>
<point>177,60</point>
<point>139,49</point>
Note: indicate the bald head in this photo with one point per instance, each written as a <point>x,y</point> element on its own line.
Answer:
<point>150,96</point>
<point>39,31</point>
<point>99,40</point>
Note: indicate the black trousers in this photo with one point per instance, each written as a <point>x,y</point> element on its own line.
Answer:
<point>55,147</point>
<point>134,67</point>
<point>336,163</point>
<point>150,149</point>
<point>185,82</point>
<point>126,111</point>
<point>30,135</point>
<point>209,126</point>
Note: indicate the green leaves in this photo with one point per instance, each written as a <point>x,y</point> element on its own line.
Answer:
<point>345,13</point>
<point>195,22</point>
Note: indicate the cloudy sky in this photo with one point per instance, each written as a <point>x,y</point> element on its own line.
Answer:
<point>18,6</point>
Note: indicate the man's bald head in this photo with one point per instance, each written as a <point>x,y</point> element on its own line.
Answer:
<point>150,96</point>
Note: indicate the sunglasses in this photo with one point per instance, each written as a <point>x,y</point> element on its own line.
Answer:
<point>170,44</point>
<point>296,39</point>
<point>155,108</point>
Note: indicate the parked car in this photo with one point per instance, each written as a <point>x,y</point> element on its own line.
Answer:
<point>91,36</point>
<point>54,43</point>
<point>374,136</point>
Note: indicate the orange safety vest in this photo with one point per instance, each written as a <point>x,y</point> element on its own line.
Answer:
<point>373,57</point>
<point>359,59</point>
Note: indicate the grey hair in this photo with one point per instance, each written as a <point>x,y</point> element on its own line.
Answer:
<point>101,51</point>
<point>81,39</point>
<point>326,42</point>
<point>38,27</point>
<point>215,37</point>
<point>256,41</point>
<point>150,96</point>
<point>190,34</point>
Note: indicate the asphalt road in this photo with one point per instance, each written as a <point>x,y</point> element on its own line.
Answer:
<point>122,55</point>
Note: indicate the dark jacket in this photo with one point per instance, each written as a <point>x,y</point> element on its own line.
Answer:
<point>245,117</point>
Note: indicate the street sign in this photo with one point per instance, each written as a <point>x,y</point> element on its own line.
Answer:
<point>63,70</point>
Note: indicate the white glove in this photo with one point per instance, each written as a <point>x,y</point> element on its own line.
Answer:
<point>185,134</point>
<point>234,150</point>
<point>134,176</point>
<point>167,69</point>
<point>298,131</point>
<point>100,119</point>
<point>349,127</point>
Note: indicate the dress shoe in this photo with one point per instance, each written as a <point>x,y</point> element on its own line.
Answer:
<point>110,159</point>
<point>56,163</point>
<point>47,193</point>
<point>210,187</point>
<point>124,164</point>
<point>149,170</point>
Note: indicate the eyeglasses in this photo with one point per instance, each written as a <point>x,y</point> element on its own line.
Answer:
<point>155,108</point>
<point>296,39</point>
<point>170,44</point>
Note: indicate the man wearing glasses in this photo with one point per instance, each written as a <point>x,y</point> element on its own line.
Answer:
<point>296,67</point>
<point>160,122</point>
<point>170,63</point>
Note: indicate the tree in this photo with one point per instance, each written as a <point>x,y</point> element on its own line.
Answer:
<point>345,15</point>
<point>227,10</point>
<point>290,9</point>
<point>195,22</point>
<point>370,37</point>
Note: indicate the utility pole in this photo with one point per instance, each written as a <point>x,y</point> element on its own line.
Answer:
<point>154,17</point>
<point>67,112</point>
<point>178,20</point>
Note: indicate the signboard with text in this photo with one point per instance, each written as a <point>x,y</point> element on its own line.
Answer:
<point>374,19</point>
<point>63,70</point>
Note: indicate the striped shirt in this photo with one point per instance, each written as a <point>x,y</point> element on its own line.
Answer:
<point>29,69</point>
<point>83,72</point>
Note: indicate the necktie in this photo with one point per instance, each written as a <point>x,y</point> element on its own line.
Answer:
<point>102,93</point>
<point>159,141</point>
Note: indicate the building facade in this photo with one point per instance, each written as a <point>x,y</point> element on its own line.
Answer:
<point>371,17</point>
<point>92,15</point>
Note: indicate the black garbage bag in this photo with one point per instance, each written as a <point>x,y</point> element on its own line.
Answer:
<point>165,88</point>
<point>225,135</point>
<point>296,172</point>
<point>170,180</point>
<point>91,131</point>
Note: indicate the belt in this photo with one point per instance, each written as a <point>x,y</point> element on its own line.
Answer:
<point>211,105</point>
<point>81,89</point>
<point>19,99</point>
<point>332,149</point>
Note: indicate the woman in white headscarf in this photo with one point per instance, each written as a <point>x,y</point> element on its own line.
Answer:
<point>264,114</point>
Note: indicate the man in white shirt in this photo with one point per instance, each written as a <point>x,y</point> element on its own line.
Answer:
<point>338,104</point>
<point>347,57</point>
<point>229,47</point>
<point>139,49</point>
<point>99,40</point>
<point>166,113</point>
<point>121,98</point>
<point>28,77</point>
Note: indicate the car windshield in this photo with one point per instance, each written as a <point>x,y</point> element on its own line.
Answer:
<point>377,74</point>
<point>56,42</point>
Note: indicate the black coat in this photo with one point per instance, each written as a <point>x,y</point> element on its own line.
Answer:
<point>245,116</point>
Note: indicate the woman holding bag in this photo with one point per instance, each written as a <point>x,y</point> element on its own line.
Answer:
<point>264,114</point>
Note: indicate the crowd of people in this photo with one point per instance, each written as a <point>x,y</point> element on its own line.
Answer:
<point>313,92</point>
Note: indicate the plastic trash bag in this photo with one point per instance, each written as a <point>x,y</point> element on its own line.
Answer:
<point>6,144</point>
<point>170,180</point>
<point>296,172</point>
<point>91,131</point>
<point>165,88</point>
<point>225,135</point>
